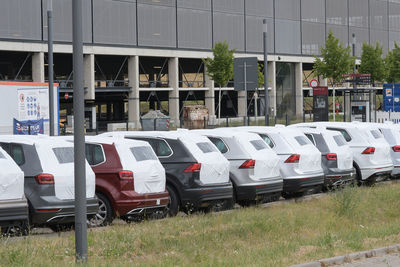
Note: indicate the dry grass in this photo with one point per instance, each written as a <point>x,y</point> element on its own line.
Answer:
<point>281,235</point>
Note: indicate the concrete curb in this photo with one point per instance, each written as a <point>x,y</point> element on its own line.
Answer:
<point>352,257</point>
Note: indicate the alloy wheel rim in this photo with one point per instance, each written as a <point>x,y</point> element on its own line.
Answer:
<point>101,214</point>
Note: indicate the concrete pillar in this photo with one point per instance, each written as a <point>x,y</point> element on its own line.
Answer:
<point>173,75</point>
<point>299,89</point>
<point>210,97</point>
<point>134,100</point>
<point>88,76</point>
<point>272,84</point>
<point>38,67</point>
<point>242,105</point>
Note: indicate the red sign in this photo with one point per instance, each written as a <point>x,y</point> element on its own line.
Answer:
<point>320,90</point>
<point>66,96</point>
<point>314,83</point>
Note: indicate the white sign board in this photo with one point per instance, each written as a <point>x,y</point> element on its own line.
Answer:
<point>25,101</point>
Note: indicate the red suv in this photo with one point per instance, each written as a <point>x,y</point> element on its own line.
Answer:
<point>130,180</point>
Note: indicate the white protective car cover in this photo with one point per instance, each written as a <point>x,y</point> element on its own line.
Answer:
<point>267,162</point>
<point>11,178</point>
<point>148,174</point>
<point>310,157</point>
<point>63,173</point>
<point>214,166</point>
<point>343,152</point>
<point>382,148</point>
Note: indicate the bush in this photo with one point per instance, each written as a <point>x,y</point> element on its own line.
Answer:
<point>346,201</point>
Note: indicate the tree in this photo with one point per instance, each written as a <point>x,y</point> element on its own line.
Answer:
<point>260,79</point>
<point>335,60</point>
<point>220,67</point>
<point>392,63</point>
<point>372,62</point>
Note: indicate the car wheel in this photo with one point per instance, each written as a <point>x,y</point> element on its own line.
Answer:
<point>173,205</point>
<point>104,215</point>
<point>16,230</point>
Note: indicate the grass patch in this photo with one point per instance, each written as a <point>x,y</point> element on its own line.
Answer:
<point>347,221</point>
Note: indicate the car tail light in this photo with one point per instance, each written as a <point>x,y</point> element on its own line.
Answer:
<point>195,167</point>
<point>369,150</point>
<point>248,164</point>
<point>293,158</point>
<point>125,175</point>
<point>396,148</point>
<point>331,156</point>
<point>44,178</point>
<point>48,210</point>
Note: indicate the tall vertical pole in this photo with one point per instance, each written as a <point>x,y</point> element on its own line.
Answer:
<point>50,62</point>
<point>266,72</point>
<point>245,92</point>
<point>81,243</point>
<point>354,67</point>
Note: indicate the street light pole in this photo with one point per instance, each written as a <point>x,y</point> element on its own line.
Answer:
<point>50,66</point>
<point>265,38</point>
<point>81,242</point>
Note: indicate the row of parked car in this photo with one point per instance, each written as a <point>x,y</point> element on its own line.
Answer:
<point>135,174</point>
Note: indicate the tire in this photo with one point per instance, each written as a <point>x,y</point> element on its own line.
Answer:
<point>173,205</point>
<point>21,229</point>
<point>105,213</point>
<point>290,195</point>
<point>358,177</point>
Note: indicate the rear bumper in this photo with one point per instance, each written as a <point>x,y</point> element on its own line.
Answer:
<point>372,173</point>
<point>141,203</point>
<point>206,195</point>
<point>337,178</point>
<point>258,190</point>
<point>61,211</point>
<point>13,211</point>
<point>396,171</point>
<point>300,184</point>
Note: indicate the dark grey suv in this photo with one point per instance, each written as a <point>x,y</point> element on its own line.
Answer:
<point>47,163</point>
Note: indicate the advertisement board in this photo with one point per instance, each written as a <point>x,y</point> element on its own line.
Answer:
<point>24,108</point>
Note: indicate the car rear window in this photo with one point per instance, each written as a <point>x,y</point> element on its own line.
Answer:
<point>339,139</point>
<point>267,140</point>
<point>345,134</point>
<point>258,144</point>
<point>219,144</point>
<point>302,140</point>
<point>376,134</point>
<point>206,147</point>
<point>64,154</point>
<point>311,138</point>
<point>94,154</point>
<point>142,153</point>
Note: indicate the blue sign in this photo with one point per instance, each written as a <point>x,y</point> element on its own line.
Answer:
<point>32,127</point>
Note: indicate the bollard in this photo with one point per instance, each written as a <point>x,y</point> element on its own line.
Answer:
<point>244,121</point>
<point>304,116</point>
<point>205,123</point>
<point>287,119</point>
<point>155,124</point>
<point>227,122</point>
<point>97,129</point>
<point>275,120</point>
<point>127,126</point>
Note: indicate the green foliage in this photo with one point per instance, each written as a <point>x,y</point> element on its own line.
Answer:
<point>372,62</point>
<point>346,201</point>
<point>392,62</point>
<point>220,68</point>
<point>260,80</point>
<point>335,60</point>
